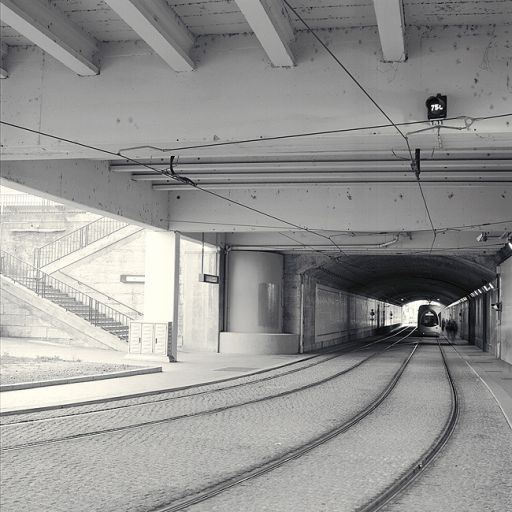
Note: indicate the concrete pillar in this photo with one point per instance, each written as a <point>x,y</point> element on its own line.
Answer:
<point>255,286</point>
<point>255,305</point>
<point>162,280</point>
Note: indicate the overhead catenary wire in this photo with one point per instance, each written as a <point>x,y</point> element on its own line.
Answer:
<point>374,102</point>
<point>300,228</point>
<point>178,178</point>
<point>271,138</point>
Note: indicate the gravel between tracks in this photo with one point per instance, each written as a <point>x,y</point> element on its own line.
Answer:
<point>14,370</point>
<point>138,469</point>
<point>473,472</point>
<point>346,472</point>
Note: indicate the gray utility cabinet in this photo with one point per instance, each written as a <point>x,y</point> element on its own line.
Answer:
<point>151,340</point>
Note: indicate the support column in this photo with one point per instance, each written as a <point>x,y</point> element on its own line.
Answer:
<point>162,281</point>
<point>255,305</point>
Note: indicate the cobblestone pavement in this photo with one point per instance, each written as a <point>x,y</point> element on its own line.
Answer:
<point>345,473</point>
<point>139,469</point>
<point>175,406</point>
<point>192,391</point>
<point>473,472</point>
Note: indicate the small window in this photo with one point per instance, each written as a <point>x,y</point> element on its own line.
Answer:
<point>429,319</point>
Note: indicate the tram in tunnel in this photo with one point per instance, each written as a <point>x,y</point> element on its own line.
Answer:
<point>429,320</point>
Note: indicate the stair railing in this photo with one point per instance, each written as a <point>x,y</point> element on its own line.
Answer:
<point>76,240</point>
<point>46,286</point>
<point>107,299</point>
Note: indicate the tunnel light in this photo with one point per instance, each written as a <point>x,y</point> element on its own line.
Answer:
<point>509,245</point>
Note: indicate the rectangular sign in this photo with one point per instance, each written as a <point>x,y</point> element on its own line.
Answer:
<point>208,278</point>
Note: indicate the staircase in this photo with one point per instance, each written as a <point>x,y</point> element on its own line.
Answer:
<point>76,240</point>
<point>65,296</point>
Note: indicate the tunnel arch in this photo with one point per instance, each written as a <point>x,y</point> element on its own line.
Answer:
<point>404,278</point>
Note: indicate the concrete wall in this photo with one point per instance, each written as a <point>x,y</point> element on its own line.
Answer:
<point>199,302</point>
<point>20,319</point>
<point>478,322</point>
<point>326,315</point>
<point>21,233</point>
<point>255,284</point>
<point>506,314</point>
<point>80,331</point>
<point>102,270</point>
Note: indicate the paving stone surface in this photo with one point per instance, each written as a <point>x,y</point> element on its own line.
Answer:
<point>178,405</point>
<point>473,473</point>
<point>162,396</point>
<point>141,468</point>
<point>345,473</point>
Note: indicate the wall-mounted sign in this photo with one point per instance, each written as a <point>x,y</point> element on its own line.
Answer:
<point>437,107</point>
<point>208,278</point>
<point>127,278</point>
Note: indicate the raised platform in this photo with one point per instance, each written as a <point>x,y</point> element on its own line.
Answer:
<point>258,343</point>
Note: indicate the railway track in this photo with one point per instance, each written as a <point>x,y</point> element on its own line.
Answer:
<point>379,501</point>
<point>28,416</point>
<point>277,462</point>
<point>143,424</point>
<point>414,471</point>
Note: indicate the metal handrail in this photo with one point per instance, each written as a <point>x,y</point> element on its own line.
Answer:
<point>76,240</point>
<point>25,200</point>
<point>81,283</point>
<point>25,203</point>
<point>44,285</point>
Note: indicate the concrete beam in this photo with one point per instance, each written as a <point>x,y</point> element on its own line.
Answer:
<point>270,23</point>
<point>266,101</point>
<point>390,20</point>
<point>356,207</point>
<point>4,49</point>
<point>160,27</point>
<point>51,30</point>
<point>91,185</point>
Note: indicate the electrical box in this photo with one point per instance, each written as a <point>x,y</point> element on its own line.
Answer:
<point>151,341</point>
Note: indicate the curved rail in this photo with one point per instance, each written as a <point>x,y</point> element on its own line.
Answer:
<point>194,386</point>
<point>383,498</point>
<point>205,412</point>
<point>216,489</point>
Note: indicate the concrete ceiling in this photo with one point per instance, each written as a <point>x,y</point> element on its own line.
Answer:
<point>219,77</point>
<point>213,17</point>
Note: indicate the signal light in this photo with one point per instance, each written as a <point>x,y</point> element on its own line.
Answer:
<point>437,107</point>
